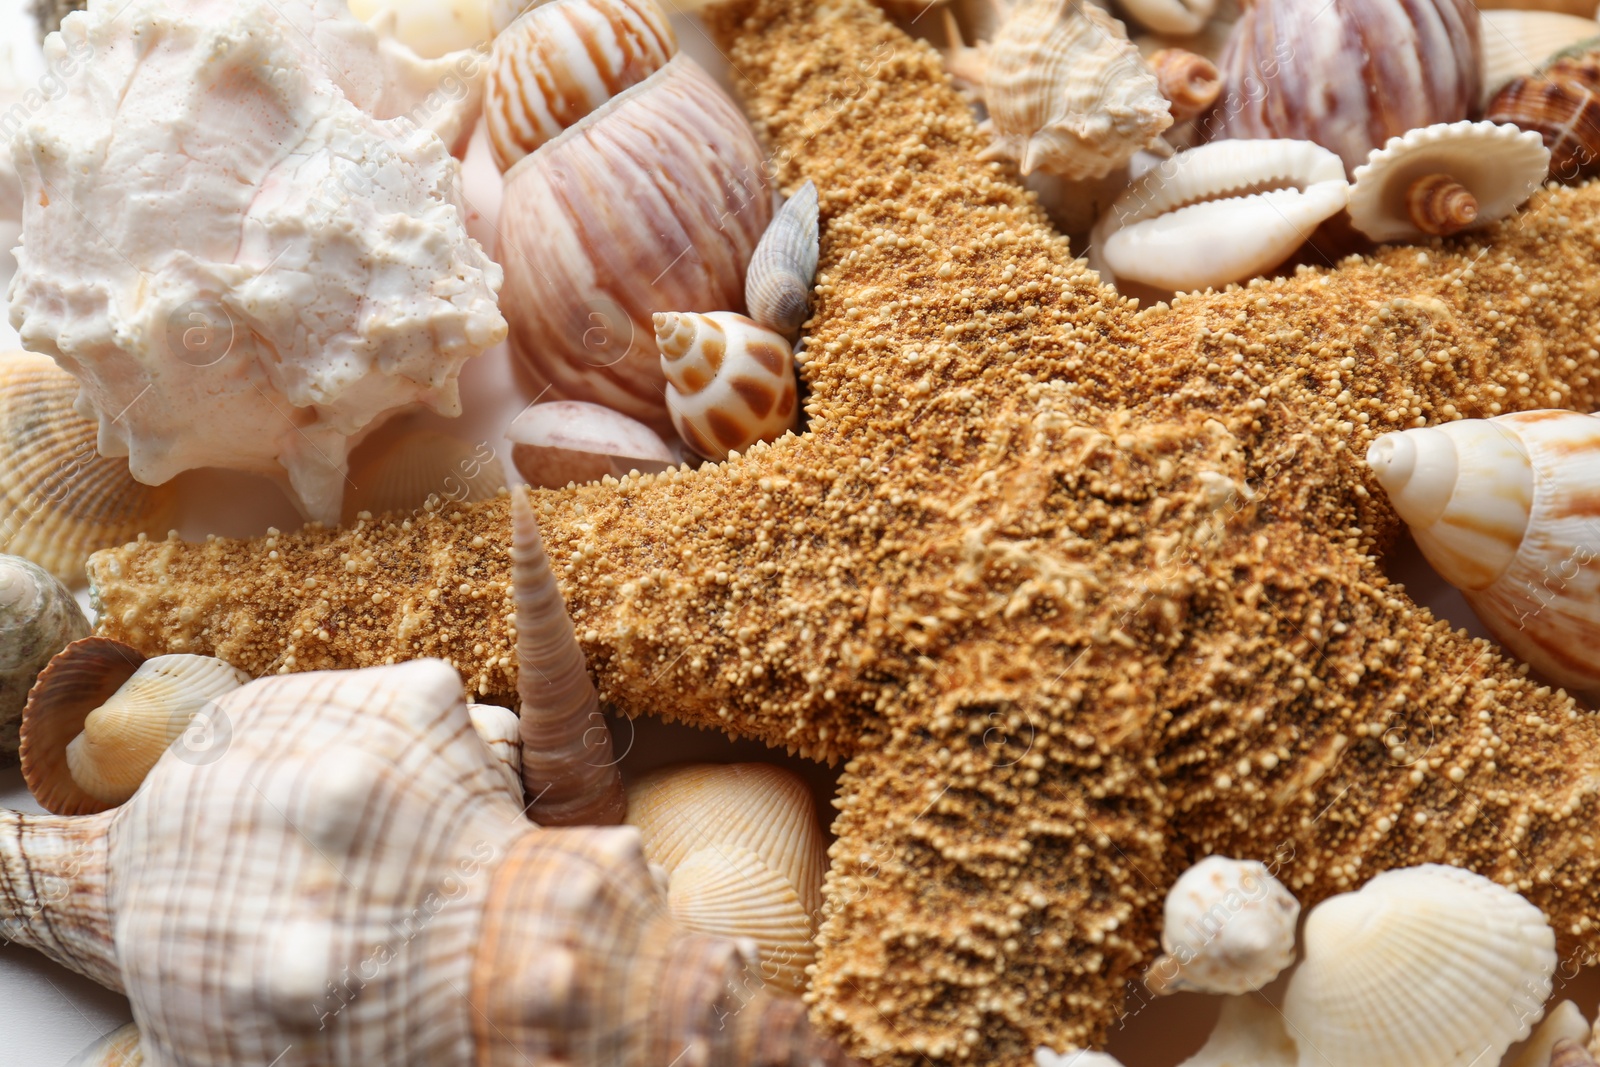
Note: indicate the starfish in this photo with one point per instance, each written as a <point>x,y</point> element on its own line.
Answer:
<point>1080,591</point>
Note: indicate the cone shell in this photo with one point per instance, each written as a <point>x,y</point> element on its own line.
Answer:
<point>1067,92</point>
<point>1348,74</point>
<point>1561,103</point>
<point>1190,82</point>
<point>120,1048</point>
<point>1423,965</point>
<point>1517,43</point>
<point>82,678</point>
<point>1500,167</point>
<point>730,381</point>
<point>1229,928</point>
<point>38,618</point>
<point>777,287</point>
<point>421,467</point>
<point>562,61</point>
<point>569,441</point>
<point>727,890</point>
<point>582,278</point>
<point>60,500</point>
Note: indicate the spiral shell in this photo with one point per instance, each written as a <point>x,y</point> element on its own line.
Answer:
<point>1517,43</point>
<point>38,618</point>
<point>1229,929</point>
<point>566,441</point>
<point>1562,104</point>
<point>777,287</point>
<point>422,469</point>
<point>1349,74</point>
<point>1190,82</point>
<point>1067,92</point>
<point>730,382</point>
<point>60,500</point>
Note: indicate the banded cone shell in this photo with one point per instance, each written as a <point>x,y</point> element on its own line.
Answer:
<point>1503,509</point>
<point>423,469</point>
<point>1440,205</point>
<point>501,731</point>
<point>82,678</point>
<point>568,765</point>
<point>730,381</point>
<point>60,500</point>
<point>1562,104</point>
<point>1190,82</point>
<point>729,891</point>
<point>38,618</point>
<point>120,1048</point>
<point>1517,43</point>
<point>569,441</point>
<point>777,287</point>
<point>583,277</point>
<point>1229,928</point>
<point>1428,963</point>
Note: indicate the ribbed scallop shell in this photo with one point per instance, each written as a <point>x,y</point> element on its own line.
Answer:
<point>1219,213</point>
<point>565,441</point>
<point>1500,165</point>
<point>729,891</point>
<point>777,287</point>
<point>84,676</point>
<point>1067,92</point>
<point>561,61</point>
<point>423,465</point>
<point>1424,964</point>
<point>1562,103</point>
<point>60,500</point>
<point>1517,43</point>
<point>730,381</point>
<point>1347,74</point>
<point>1228,928</point>
<point>38,618</point>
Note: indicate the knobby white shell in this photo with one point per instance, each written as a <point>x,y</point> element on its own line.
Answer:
<point>501,730</point>
<point>1517,43</point>
<point>730,381</point>
<point>1564,1022</point>
<point>1229,928</point>
<point>1423,964</point>
<point>777,287</point>
<point>38,618</point>
<point>560,442</point>
<point>1177,17</point>
<point>1500,165</point>
<point>1504,510</point>
<point>424,468</point>
<point>1219,213</point>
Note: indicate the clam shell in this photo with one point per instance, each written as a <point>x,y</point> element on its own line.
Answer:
<point>730,381</point>
<point>777,287</point>
<point>1424,964</point>
<point>1561,102</point>
<point>729,891</point>
<point>1517,43</point>
<point>1219,213</point>
<point>1500,165</point>
<point>561,442</point>
<point>424,468</point>
<point>60,500</point>
<point>38,618</point>
<point>82,678</point>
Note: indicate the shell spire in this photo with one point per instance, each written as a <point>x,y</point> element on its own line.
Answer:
<point>53,891</point>
<point>568,768</point>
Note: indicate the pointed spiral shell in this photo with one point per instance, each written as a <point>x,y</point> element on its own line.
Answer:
<point>1190,82</point>
<point>730,382</point>
<point>1440,205</point>
<point>777,287</point>
<point>38,618</point>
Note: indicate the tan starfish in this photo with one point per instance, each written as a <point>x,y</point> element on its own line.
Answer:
<point>1081,592</point>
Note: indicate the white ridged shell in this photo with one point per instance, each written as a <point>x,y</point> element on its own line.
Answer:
<point>1219,213</point>
<point>1426,964</point>
<point>423,468</point>
<point>730,381</point>
<point>729,891</point>
<point>777,287</point>
<point>1229,928</point>
<point>1517,43</point>
<point>563,441</point>
<point>1499,164</point>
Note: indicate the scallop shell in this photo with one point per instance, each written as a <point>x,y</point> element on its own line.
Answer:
<point>560,442</point>
<point>1517,43</point>
<point>1424,964</point>
<point>501,730</point>
<point>1219,213</point>
<point>1229,928</point>
<point>60,500</point>
<point>1190,82</point>
<point>730,381</point>
<point>777,287</point>
<point>729,891</point>
<point>1561,102</point>
<point>1177,17</point>
<point>1067,92</point>
<point>423,469</point>
<point>38,618</point>
<point>1562,1023</point>
<point>1500,165</point>
<point>120,1048</point>
<point>84,676</point>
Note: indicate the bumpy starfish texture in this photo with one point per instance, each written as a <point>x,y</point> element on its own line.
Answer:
<point>1082,592</point>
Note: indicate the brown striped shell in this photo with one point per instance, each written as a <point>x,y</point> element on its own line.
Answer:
<point>1562,103</point>
<point>60,500</point>
<point>730,381</point>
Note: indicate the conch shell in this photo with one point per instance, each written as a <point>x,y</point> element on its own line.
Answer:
<point>309,275</point>
<point>730,381</point>
<point>38,618</point>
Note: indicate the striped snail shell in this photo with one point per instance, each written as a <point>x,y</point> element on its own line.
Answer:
<point>730,381</point>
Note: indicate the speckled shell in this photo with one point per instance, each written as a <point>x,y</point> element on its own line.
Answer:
<point>1561,103</point>
<point>1504,510</point>
<point>583,278</point>
<point>1229,928</point>
<point>777,287</point>
<point>84,676</point>
<point>420,467</point>
<point>1067,92</point>
<point>60,500</point>
<point>730,381</point>
<point>1348,74</point>
<point>1423,964</point>
<point>561,442</point>
<point>1517,43</point>
<point>38,618</point>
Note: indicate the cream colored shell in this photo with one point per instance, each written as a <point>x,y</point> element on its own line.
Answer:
<point>1564,1022</point>
<point>1228,927</point>
<point>431,28</point>
<point>730,381</point>
<point>1517,43</point>
<point>561,442</point>
<point>38,618</point>
<point>424,468</point>
<point>1176,17</point>
<point>501,730</point>
<point>1499,164</point>
<point>728,890</point>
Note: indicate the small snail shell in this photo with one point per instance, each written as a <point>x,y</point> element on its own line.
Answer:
<point>1440,205</point>
<point>777,287</point>
<point>730,382</point>
<point>1190,82</point>
<point>1229,929</point>
<point>1503,508</point>
<point>38,618</point>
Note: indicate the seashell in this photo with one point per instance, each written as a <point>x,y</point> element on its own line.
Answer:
<point>1423,964</point>
<point>1503,509</point>
<point>423,469</point>
<point>1561,103</point>
<point>1563,1023</point>
<point>1349,74</point>
<point>1073,1057</point>
<point>730,381</point>
<point>501,730</point>
<point>430,28</point>
<point>271,307</point>
<point>1249,1033</point>
<point>1209,43</point>
<point>1443,179</point>
<point>350,882</point>
<point>120,1048</point>
<point>1517,43</point>
<point>60,500</point>
<point>1067,92</point>
<point>38,618</point>
<point>77,745</point>
<point>568,766</point>
<point>967,64</point>
<point>582,278</point>
<point>1190,82</point>
<point>729,891</point>
<point>1178,17</point>
<point>1229,928</point>
<point>1219,213</point>
<point>777,287</point>
<point>565,441</point>
<point>1566,7</point>
<point>1569,1053</point>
